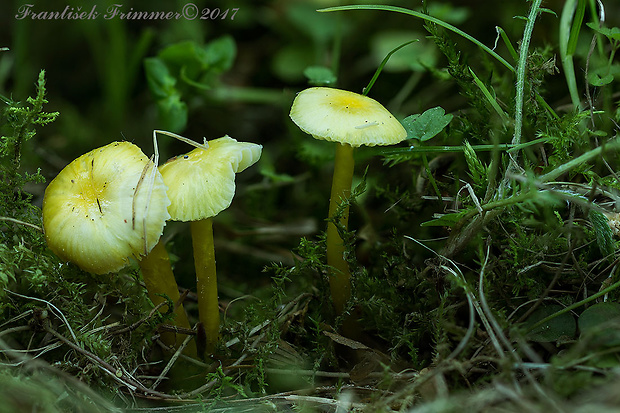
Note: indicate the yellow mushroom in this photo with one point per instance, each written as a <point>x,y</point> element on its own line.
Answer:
<point>201,184</point>
<point>100,211</point>
<point>350,120</point>
<point>107,206</point>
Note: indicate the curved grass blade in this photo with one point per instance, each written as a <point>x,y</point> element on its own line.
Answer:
<point>427,18</point>
<point>383,63</point>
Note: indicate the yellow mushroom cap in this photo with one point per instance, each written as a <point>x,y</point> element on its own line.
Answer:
<point>201,183</point>
<point>345,117</point>
<point>101,209</point>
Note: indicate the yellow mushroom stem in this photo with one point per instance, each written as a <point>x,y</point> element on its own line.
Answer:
<point>340,276</point>
<point>159,279</point>
<point>206,280</point>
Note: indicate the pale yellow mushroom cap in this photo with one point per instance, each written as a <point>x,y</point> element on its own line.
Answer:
<point>95,211</point>
<point>201,183</point>
<point>345,117</point>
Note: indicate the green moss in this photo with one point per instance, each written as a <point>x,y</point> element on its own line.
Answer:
<point>461,242</point>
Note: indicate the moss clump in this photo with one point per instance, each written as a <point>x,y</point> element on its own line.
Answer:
<point>41,297</point>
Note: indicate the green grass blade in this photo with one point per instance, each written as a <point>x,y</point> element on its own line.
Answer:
<point>613,145</point>
<point>507,42</point>
<point>457,148</point>
<point>521,66</point>
<point>490,97</point>
<point>427,18</point>
<point>383,63</point>
<point>576,27</point>
<point>575,305</point>
<point>567,58</point>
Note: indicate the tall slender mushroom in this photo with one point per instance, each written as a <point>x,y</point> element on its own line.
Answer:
<point>201,184</point>
<point>350,120</point>
<point>105,207</point>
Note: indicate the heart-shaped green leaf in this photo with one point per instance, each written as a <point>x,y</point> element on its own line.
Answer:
<point>426,125</point>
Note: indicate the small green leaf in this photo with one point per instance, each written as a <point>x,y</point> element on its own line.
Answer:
<point>186,54</point>
<point>563,325</point>
<point>320,76</point>
<point>599,133</point>
<point>611,33</point>
<point>198,85</point>
<point>548,11</point>
<point>220,53</point>
<point>426,125</point>
<point>604,234</point>
<point>173,113</point>
<point>182,67</point>
<point>597,80</point>
<point>447,220</point>
<point>199,65</point>
<point>158,77</point>
<point>602,323</point>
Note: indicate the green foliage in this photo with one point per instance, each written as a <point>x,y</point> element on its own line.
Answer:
<point>172,109</point>
<point>18,123</point>
<point>7,267</point>
<point>18,217</point>
<point>562,327</point>
<point>446,220</point>
<point>182,69</point>
<point>600,323</point>
<point>607,70</point>
<point>564,137</point>
<point>460,73</point>
<point>38,292</point>
<point>320,76</point>
<point>612,34</point>
<point>419,56</point>
<point>225,385</point>
<point>490,96</point>
<point>485,259</point>
<point>43,391</point>
<point>604,235</point>
<point>20,264</point>
<point>477,170</point>
<point>382,65</point>
<point>426,125</point>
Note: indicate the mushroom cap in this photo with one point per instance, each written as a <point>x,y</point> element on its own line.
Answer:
<point>95,211</point>
<point>346,117</point>
<point>201,183</point>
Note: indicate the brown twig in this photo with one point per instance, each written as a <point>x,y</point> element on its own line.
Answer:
<point>173,360</point>
<point>116,374</point>
<point>141,321</point>
<point>17,221</point>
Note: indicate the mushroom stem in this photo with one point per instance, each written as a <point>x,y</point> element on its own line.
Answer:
<point>159,279</point>
<point>339,276</point>
<point>206,280</point>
